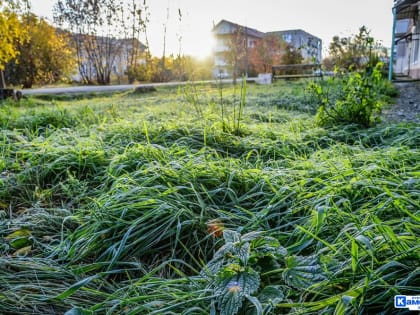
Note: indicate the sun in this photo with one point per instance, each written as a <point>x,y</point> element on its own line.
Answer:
<point>198,43</point>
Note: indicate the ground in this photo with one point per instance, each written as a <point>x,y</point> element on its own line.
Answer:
<point>407,105</point>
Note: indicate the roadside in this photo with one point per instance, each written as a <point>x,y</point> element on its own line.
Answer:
<point>113,88</point>
<point>94,88</point>
<point>407,106</point>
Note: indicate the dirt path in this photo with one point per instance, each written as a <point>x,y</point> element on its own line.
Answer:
<point>407,106</point>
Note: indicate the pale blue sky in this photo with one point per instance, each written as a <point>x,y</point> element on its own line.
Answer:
<point>322,18</point>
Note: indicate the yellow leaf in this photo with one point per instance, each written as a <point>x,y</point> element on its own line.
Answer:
<point>23,251</point>
<point>18,233</point>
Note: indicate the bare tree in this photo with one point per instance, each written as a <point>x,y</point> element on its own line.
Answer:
<point>96,26</point>
<point>236,55</point>
<point>136,21</point>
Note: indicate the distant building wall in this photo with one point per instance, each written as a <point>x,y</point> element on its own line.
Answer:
<point>309,45</point>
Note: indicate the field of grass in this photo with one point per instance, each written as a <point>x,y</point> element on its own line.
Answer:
<point>204,200</point>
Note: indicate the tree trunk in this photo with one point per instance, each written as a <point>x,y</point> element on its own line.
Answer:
<point>2,81</point>
<point>27,84</point>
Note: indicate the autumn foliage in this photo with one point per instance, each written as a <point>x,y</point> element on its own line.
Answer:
<point>215,227</point>
<point>44,57</point>
<point>10,32</point>
<point>266,53</point>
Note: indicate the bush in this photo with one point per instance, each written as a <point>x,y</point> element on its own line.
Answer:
<point>355,99</point>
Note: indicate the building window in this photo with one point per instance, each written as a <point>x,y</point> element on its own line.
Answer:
<point>287,38</point>
<point>223,29</point>
<point>402,26</point>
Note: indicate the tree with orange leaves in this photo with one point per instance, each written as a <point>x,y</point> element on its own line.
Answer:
<point>266,53</point>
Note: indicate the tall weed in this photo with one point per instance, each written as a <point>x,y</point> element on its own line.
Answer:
<point>355,99</point>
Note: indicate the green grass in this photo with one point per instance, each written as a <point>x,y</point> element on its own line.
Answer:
<point>106,201</point>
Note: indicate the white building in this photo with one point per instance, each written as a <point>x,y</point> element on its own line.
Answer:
<point>407,38</point>
<point>309,45</point>
<point>228,35</point>
<point>226,32</point>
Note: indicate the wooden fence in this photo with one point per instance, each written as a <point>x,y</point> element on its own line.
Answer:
<point>307,70</point>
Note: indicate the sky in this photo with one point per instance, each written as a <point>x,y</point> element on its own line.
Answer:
<point>322,18</point>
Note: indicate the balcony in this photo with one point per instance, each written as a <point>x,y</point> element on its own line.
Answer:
<point>220,62</point>
<point>221,48</point>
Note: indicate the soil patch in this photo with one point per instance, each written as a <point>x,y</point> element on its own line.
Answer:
<point>407,105</point>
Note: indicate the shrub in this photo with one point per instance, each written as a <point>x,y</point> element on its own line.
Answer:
<point>355,99</point>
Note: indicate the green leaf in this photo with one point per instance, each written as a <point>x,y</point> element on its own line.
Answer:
<point>256,302</point>
<point>231,236</point>
<point>243,253</point>
<point>251,236</point>
<point>271,294</point>
<point>219,260</point>
<point>249,281</point>
<point>19,239</point>
<point>230,302</point>
<point>269,245</point>
<point>232,290</point>
<point>20,242</point>
<point>303,272</point>
<point>234,251</point>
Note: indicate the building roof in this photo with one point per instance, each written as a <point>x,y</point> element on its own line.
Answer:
<point>295,31</point>
<point>123,42</point>
<point>249,31</point>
